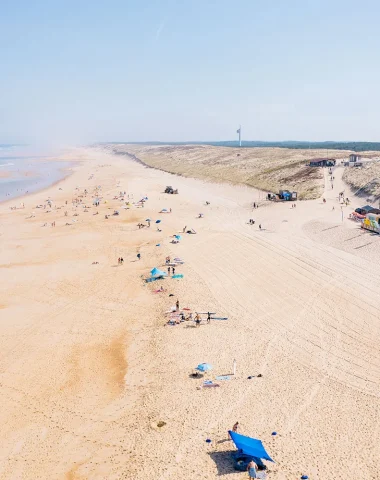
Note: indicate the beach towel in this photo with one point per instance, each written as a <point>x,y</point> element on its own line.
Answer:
<point>223,377</point>
<point>177,275</point>
<point>261,475</point>
<point>210,385</point>
<point>219,318</point>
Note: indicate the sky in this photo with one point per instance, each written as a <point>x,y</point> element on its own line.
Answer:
<point>79,71</point>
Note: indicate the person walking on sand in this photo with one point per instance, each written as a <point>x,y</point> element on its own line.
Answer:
<point>169,271</point>
<point>252,469</point>
<point>184,229</point>
<point>260,226</point>
<point>208,317</point>
<point>177,305</point>
<point>118,261</point>
<point>173,270</point>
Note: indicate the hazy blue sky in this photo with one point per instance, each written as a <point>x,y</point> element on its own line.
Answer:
<point>80,71</point>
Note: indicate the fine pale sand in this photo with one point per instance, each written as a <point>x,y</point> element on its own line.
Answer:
<point>89,367</point>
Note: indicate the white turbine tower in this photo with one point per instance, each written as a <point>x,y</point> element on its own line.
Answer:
<point>239,132</point>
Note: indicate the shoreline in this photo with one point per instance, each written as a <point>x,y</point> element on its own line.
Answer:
<point>66,171</point>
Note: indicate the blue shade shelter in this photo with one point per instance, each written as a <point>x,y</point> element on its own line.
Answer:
<point>178,237</point>
<point>157,273</point>
<point>250,446</point>
<point>204,367</point>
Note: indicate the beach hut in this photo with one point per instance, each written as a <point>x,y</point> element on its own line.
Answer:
<point>371,222</point>
<point>285,195</point>
<point>322,162</point>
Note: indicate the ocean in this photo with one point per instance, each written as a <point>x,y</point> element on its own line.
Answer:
<point>23,172</point>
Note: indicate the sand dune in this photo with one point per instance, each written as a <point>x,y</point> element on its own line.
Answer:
<point>90,370</point>
<point>269,169</point>
<point>365,180</point>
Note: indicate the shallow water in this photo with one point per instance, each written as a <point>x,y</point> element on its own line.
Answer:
<point>22,172</point>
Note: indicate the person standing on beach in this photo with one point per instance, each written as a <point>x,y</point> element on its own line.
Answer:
<point>139,256</point>
<point>252,469</point>
<point>177,305</point>
<point>169,271</point>
<point>235,427</point>
<point>208,317</point>
<point>173,270</point>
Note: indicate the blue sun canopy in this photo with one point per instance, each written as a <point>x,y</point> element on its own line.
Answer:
<point>250,446</point>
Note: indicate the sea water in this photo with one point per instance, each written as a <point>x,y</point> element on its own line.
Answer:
<point>22,172</point>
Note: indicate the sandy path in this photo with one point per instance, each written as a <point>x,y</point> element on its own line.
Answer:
<point>88,367</point>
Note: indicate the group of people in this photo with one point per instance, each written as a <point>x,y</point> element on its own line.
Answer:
<point>173,270</point>
<point>252,222</point>
<point>120,261</point>
<point>255,205</point>
<point>294,205</point>
<point>252,467</point>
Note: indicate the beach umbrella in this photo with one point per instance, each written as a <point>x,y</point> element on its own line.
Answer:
<point>158,221</point>
<point>178,237</point>
<point>204,367</point>
<point>157,273</point>
<point>164,210</point>
<point>148,220</point>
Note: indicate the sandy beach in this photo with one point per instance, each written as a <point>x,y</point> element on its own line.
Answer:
<point>90,368</point>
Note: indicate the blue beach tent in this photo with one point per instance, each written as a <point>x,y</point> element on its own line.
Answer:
<point>157,273</point>
<point>249,446</point>
<point>204,367</point>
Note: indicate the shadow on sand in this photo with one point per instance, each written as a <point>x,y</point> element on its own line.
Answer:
<point>224,462</point>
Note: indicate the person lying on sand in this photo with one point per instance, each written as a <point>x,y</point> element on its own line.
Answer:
<point>160,290</point>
